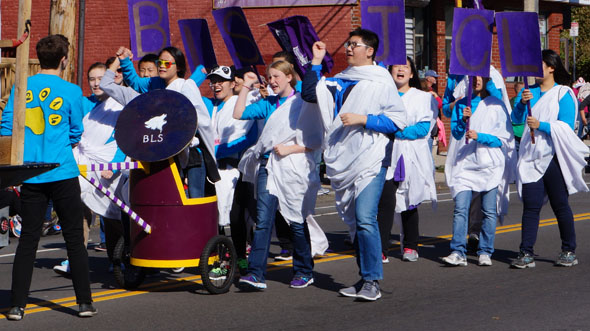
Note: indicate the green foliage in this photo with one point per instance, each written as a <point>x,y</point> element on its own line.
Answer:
<point>582,16</point>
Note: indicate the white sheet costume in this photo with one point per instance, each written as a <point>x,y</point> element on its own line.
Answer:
<point>227,129</point>
<point>534,158</point>
<point>354,155</point>
<point>479,168</point>
<point>293,179</point>
<point>96,146</point>
<point>418,184</point>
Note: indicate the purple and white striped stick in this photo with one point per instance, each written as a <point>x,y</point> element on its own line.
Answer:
<point>136,218</point>
<point>109,166</point>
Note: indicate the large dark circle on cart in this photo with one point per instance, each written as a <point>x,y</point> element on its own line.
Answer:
<point>156,125</point>
<point>4,225</point>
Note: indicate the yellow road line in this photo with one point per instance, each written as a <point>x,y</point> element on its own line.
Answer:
<point>185,281</point>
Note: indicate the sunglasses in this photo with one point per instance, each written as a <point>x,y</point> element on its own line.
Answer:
<point>166,64</point>
<point>354,44</point>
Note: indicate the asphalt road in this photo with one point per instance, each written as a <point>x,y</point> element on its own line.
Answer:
<point>425,295</point>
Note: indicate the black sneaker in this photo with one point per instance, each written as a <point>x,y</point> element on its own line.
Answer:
<point>473,243</point>
<point>16,314</point>
<point>102,247</point>
<point>87,310</point>
<point>285,255</point>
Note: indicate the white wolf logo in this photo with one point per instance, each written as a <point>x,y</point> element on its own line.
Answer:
<point>156,123</point>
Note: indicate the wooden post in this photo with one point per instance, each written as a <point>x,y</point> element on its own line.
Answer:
<point>20,86</point>
<point>531,6</point>
<point>63,21</point>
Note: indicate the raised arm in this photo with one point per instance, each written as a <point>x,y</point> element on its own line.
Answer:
<point>249,80</point>
<point>121,94</point>
<point>139,84</point>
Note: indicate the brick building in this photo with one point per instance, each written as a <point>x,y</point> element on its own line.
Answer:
<point>429,25</point>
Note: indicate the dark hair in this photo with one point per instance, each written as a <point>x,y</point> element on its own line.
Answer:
<point>241,72</point>
<point>51,49</point>
<point>178,58</point>
<point>415,80</point>
<point>552,59</point>
<point>96,65</point>
<point>109,61</point>
<point>369,37</point>
<point>285,55</point>
<point>150,57</point>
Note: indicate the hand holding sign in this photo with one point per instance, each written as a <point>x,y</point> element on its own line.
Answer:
<point>250,79</point>
<point>532,122</point>
<point>466,114</point>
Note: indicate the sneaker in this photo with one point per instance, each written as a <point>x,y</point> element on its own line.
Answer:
<point>455,259</point>
<point>370,291</point>
<point>242,266</point>
<point>484,260</point>
<point>87,310</point>
<point>410,255</point>
<point>384,258</point>
<point>301,282</point>
<point>16,225</point>
<point>285,255</point>
<point>177,270</point>
<point>352,290</point>
<point>102,247</point>
<point>472,242</point>
<point>252,282</point>
<point>63,268</point>
<point>566,259</point>
<point>16,314</point>
<point>218,274</point>
<point>524,260</point>
<point>248,249</point>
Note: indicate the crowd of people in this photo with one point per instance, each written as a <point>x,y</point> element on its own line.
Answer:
<point>261,144</point>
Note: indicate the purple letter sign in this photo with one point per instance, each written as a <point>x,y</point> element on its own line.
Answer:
<point>520,44</point>
<point>387,19</point>
<point>148,25</point>
<point>296,35</point>
<point>197,43</point>
<point>472,42</point>
<point>237,36</point>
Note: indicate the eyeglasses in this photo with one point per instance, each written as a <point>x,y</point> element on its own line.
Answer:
<point>354,44</point>
<point>166,64</point>
<point>218,83</point>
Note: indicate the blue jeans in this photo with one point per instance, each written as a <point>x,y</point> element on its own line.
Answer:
<point>367,241</point>
<point>266,207</point>
<point>196,181</point>
<point>460,222</point>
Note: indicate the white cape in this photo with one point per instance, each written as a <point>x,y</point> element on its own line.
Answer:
<point>534,158</point>
<point>418,184</point>
<point>98,146</point>
<point>293,179</point>
<point>354,155</point>
<point>476,167</point>
<point>227,129</point>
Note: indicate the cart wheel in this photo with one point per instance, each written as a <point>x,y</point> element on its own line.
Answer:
<point>126,275</point>
<point>218,264</point>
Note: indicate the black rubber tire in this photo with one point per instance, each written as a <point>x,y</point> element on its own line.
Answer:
<point>216,247</point>
<point>131,277</point>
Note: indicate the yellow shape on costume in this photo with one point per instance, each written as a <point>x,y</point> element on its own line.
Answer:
<point>29,96</point>
<point>34,120</point>
<point>44,93</point>
<point>54,119</point>
<point>56,103</point>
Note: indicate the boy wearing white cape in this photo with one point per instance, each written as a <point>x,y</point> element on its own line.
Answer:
<point>97,146</point>
<point>282,166</point>
<point>358,107</point>
<point>551,168</point>
<point>484,163</point>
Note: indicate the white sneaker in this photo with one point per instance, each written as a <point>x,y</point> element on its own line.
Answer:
<point>455,259</point>
<point>63,268</point>
<point>485,260</point>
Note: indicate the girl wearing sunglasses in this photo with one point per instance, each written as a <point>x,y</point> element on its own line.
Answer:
<point>172,68</point>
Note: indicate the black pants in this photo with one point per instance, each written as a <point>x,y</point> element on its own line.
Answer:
<point>113,230</point>
<point>68,206</point>
<point>385,214</point>
<point>552,184</point>
<point>283,233</point>
<point>243,204</point>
